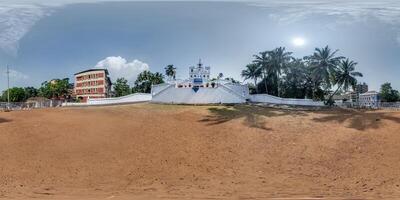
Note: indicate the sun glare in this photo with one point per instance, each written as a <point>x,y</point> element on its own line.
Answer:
<point>299,41</point>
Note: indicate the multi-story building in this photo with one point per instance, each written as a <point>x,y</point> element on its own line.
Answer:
<point>369,99</point>
<point>92,83</point>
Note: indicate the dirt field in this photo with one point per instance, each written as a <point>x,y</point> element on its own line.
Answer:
<point>147,151</point>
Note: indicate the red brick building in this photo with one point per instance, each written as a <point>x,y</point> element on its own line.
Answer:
<point>92,83</point>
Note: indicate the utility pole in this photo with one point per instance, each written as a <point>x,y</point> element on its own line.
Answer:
<point>8,88</point>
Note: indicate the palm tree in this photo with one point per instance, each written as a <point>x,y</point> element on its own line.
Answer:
<point>279,60</point>
<point>252,71</point>
<point>345,76</point>
<point>323,64</point>
<point>294,81</point>
<point>272,63</point>
<point>262,61</point>
<point>170,71</point>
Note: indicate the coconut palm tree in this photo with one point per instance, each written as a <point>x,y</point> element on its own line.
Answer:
<point>279,60</point>
<point>294,81</point>
<point>170,71</point>
<point>262,61</point>
<point>324,63</point>
<point>345,76</point>
<point>252,71</point>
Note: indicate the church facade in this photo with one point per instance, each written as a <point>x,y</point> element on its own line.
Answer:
<point>199,88</point>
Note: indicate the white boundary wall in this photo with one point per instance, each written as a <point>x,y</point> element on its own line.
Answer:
<point>132,98</point>
<point>265,98</point>
<point>205,95</point>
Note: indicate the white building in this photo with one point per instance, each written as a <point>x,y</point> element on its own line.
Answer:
<point>199,89</point>
<point>369,99</point>
<point>199,72</point>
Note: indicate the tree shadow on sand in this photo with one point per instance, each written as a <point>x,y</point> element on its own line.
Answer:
<point>254,116</point>
<point>358,119</point>
<point>2,120</point>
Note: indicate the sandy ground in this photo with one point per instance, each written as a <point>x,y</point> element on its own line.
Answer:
<point>147,151</point>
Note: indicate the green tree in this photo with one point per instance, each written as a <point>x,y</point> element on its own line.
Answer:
<point>170,71</point>
<point>145,80</point>
<point>121,87</point>
<point>294,82</point>
<point>262,61</point>
<point>388,94</point>
<point>252,71</point>
<point>17,94</point>
<point>272,63</point>
<point>279,60</point>
<point>324,63</point>
<point>55,89</point>
<point>30,92</point>
<point>345,76</point>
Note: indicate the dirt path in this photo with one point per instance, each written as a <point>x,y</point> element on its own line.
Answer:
<point>149,151</point>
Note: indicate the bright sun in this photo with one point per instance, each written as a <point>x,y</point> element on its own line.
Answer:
<point>299,41</point>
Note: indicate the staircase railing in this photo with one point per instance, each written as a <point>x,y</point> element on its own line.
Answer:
<point>163,90</point>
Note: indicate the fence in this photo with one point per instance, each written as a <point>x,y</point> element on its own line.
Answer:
<point>378,105</point>
<point>30,105</point>
<point>390,105</point>
<point>265,98</point>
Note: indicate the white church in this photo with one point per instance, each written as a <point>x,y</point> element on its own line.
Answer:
<point>199,88</point>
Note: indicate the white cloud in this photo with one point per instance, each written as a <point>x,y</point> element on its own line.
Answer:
<point>120,67</point>
<point>293,11</point>
<point>17,17</point>
<point>343,11</point>
<point>15,22</point>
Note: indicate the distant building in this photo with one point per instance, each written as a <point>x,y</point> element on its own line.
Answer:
<point>347,98</point>
<point>369,99</point>
<point>92,83</point>
<point>352,96</point>
<point>361,88</point>
<point>37,102</point>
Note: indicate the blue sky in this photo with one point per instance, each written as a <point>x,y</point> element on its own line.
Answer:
<point>42,40</point>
